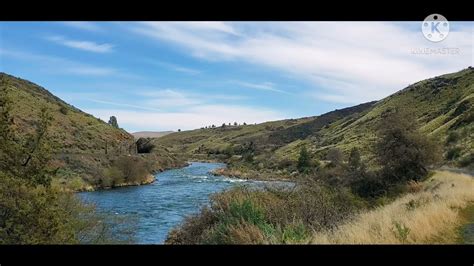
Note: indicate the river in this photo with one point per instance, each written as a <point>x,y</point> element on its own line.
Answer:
<point>160,206</point>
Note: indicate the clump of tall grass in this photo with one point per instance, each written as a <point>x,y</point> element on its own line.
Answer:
<point>245,216</point>
<point>429,214</point>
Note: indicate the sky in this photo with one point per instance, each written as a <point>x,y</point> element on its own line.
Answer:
<point>156,76</point>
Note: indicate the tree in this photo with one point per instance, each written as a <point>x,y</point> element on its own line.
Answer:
<point>179,130</point>
<point>223,125</point>
<point>235,124</point>
<point>113,122</point>
<point>402,151</point>
<point>304,160</point>
<point>245,124</point>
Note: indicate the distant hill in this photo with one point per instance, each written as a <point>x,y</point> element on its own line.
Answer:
<point>84,145</point>
<point>151,134</point>
<point>443,106</point>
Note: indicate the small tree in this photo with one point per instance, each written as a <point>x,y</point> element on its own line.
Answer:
<point>245,124</point>
<point>235,124</point>
<point>179,130</point>
<point>304,160</point>
<point>113,122</point>
<point>223,125</point>
<point>402,151</point>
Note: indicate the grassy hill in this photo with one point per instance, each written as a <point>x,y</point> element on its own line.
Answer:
<point>83,145</point>
<point>443,106</point>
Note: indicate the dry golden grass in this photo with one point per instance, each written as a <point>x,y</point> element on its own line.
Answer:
<point>430,215</point>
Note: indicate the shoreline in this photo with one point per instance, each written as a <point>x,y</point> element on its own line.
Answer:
<point>150,179</point>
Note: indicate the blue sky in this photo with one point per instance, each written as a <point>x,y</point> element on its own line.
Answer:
<point>169,75</point>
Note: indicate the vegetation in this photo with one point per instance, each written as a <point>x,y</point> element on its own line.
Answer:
<point>31,210</point>
<point>304,161</point>
<point>444,107</point>
<point>429,215</point>
<point>314,206</point>
<point>80,145</point>
<point>243,216</point>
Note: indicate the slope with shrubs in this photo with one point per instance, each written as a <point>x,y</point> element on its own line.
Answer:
<point>442,106</point>
<point>345,200</point>
<point>83,145</point>
<point>33,211</point>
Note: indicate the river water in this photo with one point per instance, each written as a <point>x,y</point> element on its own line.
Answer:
<point>160,206</point>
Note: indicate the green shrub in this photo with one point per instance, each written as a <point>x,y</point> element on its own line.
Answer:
<point>401,232</point>
<point>246,216</point>
<point>453,153</point>
<point>452,137</point>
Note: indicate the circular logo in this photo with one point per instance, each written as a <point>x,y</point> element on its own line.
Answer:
<point>435,27</point>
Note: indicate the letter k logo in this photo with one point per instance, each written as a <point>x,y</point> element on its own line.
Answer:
<point>434,27</point>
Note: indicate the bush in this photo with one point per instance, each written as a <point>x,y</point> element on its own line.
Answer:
<point>111,177</point>
<point>304,160</point>
<point>133,169</point>
<point>245,216</point>
<point>453,153</point>
<point>452,137</point>
<point>401,150</point>
<point>46,215</point>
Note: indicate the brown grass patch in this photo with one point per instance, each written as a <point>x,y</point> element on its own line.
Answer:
<point>428,215</point>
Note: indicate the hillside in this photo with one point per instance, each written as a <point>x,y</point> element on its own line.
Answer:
<point>443,106</point>
<point>83,145</point>
<point>151,134</point>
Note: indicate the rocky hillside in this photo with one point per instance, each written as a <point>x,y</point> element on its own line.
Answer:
<point>442,105</point>
<point>84,146</point>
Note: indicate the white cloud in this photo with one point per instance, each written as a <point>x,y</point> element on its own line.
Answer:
<point>90,71</point>
<point>82,45</point>
<point>174,67</point>
<point>141,107</point>
<point>265,86</point>
<point>88,26</point>
<point>351,60</point>
<point>169,98</point>
<point>190,118</point>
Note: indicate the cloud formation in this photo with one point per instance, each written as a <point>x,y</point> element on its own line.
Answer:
<point>82,45</point>
<point>348,62</point>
